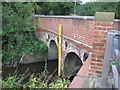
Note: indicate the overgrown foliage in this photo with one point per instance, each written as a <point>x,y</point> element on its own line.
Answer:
<point>55,8</point>
<point>67,8</point>
<point>18,32</point>
<point>90,8</point>
<point>42,80</point>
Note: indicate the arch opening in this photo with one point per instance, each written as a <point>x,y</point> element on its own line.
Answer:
<point>85,56</point>
<point>52,61</point>
<point>72,64</point>
<point>52,51</point>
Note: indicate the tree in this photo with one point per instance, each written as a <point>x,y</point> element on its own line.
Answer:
<point>90,8</point>
<point>55,8</point>
<point>18,32</point>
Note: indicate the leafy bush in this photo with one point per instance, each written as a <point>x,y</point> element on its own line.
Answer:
<point>90,8</point>
<point>18,32</point>
<point>55,8</point>
<point>43,80</point>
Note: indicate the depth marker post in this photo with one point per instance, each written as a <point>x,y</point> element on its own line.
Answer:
<point>59,48</point>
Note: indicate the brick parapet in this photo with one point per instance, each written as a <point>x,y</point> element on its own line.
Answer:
<point>99,43</point>
<point>77,29</point>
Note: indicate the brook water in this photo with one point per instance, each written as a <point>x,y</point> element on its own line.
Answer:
<point>36,67</point>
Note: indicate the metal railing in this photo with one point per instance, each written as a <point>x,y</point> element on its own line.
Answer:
<point>116,59</point>
<point>112,59</point>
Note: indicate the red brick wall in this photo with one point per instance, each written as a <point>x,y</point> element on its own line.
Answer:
<point>99,43</point>
<point>89,32</point>
<point>80,30</point>
<point>116,25</point>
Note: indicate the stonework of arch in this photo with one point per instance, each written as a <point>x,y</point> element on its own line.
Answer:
<point>47,37</point>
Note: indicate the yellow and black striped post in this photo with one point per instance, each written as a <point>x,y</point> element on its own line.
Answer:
<point>59,48</point>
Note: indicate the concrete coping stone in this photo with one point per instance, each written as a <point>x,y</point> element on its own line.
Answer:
<point>68,17</point>
<point>117,20</point>
<point>104,16</point>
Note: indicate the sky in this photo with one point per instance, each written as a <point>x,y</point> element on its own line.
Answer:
<point>84,1</point>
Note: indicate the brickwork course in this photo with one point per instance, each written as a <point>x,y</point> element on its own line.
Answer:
<point>92,34</point>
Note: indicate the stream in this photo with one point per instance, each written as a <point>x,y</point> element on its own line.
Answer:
<point>36,67</point>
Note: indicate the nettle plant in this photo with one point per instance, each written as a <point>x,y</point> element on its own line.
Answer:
<point>18,32</point>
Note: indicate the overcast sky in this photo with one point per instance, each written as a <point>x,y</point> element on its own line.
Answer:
<point>84,1</point>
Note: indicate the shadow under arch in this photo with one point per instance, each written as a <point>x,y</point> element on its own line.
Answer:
<point>72,65</point>
<point>52,61</point>
<point>52,50</point>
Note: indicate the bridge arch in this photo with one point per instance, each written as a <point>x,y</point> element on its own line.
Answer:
<point>52,50</point>
<point>72,64</point>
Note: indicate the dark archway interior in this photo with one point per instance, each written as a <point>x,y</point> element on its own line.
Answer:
<point>52,51</point>
<point>72,64</point>
<point>52,62</point>
<point>85,56</point>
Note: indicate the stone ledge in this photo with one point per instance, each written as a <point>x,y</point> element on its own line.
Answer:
<point>68,17</point>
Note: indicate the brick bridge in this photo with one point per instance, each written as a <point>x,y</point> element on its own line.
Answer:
<point>83,41</point>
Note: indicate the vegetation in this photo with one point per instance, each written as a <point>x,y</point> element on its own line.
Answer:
<point>18,32</point>
<point>43,80</point>
<point>55,8</point>
<point>90,8</point>
<point>67,8</point>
